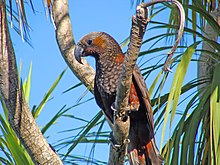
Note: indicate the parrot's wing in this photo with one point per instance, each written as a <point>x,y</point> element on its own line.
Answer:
<point>102,104</point>
<point>146,135</point>
<point>144,94</point>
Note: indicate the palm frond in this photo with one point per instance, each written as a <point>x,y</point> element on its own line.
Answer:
<point>17,16</point>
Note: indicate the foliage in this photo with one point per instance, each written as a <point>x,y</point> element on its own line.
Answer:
<point>14,152</point>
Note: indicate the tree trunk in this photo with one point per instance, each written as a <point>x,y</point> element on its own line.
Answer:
<point>20,116</point>
<point>66,43</point>
<point>206,65</point>
<point>206,62</point>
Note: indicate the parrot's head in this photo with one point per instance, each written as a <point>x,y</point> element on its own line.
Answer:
<point>99,45</point>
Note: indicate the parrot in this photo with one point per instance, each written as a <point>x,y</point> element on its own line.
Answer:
<point>109,58</point>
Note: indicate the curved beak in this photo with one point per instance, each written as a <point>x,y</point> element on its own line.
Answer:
<point>78,53</point>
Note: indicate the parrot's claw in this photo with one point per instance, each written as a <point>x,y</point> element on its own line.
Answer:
<point>113,107</point>
<point>127,141</point>
<point>123,116</point>
<point>128,109</point>
<point>114,144</point>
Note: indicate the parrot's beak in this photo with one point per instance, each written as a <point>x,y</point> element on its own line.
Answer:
<point>78,53</point>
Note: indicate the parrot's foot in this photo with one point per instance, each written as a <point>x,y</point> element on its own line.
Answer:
<point>113,107</point>
<point>121,114</point>
<point>128,109</point>
<point>113,142</point>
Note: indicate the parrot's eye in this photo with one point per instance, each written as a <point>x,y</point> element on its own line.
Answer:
<point>89,42</point>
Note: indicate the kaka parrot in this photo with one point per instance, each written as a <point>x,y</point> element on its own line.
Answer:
<point>109,60</point>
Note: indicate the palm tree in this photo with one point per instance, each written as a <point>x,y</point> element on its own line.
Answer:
<point>187,114</point>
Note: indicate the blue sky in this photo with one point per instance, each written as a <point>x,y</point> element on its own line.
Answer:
<point>113,17</point>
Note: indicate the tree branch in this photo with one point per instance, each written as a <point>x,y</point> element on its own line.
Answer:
<point>85,73</point>
<point>60,12</point>
<point>121,118</point>
<point>139,23</point>
<point>20,116</point>
<point>180,32</point>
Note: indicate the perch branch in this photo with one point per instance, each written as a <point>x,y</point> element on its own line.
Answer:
<point>121,119</point>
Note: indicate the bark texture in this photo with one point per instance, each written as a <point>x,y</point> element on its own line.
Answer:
<point>65,40</point>
<point>206,66</point>
<point>207,62</point>
<point>121,127</point>
<point>20,116</point>
<point>60,12</point>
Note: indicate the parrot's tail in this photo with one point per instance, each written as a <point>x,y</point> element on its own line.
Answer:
<point>145,155</point>
<point>142,149</point>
